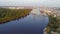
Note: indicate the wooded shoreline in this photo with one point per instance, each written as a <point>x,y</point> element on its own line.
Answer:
<point>12,14</point>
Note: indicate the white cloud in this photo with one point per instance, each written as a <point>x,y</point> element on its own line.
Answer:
<point>18,2</point>
<point>52,3</point>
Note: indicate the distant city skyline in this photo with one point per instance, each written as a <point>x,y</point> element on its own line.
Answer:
<point>47,3</point>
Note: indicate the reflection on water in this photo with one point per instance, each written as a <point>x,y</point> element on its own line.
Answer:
<point>14,19</point>
<point>31,24</point>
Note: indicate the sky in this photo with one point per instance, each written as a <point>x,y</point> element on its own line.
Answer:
<point>48,3</point>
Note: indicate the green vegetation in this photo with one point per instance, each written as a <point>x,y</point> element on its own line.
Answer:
<point>53,25</point>
<point>10,14</point>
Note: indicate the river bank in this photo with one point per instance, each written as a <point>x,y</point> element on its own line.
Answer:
<point>53,26</point>
<point>12,14</point>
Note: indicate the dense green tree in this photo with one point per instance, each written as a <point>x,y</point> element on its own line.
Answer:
<point>9,14</point>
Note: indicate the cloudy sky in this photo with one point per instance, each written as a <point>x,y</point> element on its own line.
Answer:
<point>49,3</point>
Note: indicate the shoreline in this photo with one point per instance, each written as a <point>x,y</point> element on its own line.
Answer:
<point>24,12</point>
<point>13,19</point>
<point>52,26</point>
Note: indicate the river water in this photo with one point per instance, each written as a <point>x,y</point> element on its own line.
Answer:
<point>31,24</point>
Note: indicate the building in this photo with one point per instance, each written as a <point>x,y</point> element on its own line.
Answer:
<point>58,13</point>
<point>16,7</point>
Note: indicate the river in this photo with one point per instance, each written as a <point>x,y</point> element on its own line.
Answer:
<point>31,24</point>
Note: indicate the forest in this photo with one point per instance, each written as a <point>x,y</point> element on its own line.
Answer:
<point>10,14</point>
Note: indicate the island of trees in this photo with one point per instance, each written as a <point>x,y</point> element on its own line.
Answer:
<point>11,14</point>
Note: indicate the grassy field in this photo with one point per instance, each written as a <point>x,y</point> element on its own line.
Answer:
<point>10,14</point>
